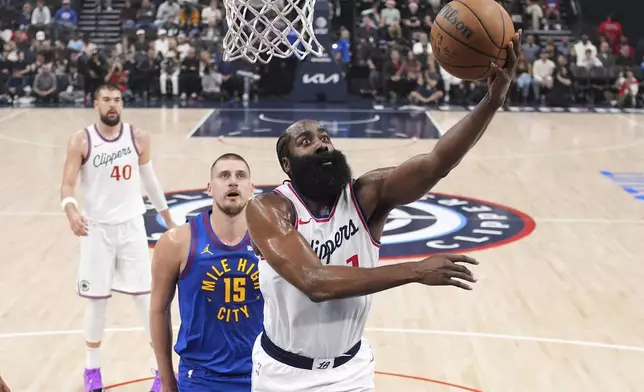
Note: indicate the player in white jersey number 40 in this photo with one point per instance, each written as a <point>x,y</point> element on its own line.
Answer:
<point>295,352</point>
<point>112,161</point>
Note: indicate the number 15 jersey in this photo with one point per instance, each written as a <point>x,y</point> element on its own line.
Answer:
<point>326,329</point>
<point>109,179</point>
<point>220,304</point>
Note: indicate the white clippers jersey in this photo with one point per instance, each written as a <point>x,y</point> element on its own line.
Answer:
<point>326,329</point>
<point>109,180</point>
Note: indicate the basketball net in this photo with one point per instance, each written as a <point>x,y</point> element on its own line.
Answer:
<point>259,30</point>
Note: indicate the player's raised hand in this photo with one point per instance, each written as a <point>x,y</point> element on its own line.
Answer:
<point>78,224</point>
<point>499,83</point>
<point>442,270</point>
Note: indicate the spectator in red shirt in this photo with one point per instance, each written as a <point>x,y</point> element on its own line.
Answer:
<point>612,30</point>
<point>627,88</point>
<point>117,76</point>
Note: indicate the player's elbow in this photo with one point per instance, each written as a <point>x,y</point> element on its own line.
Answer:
<point>315,287</point>
<point>318,296</point>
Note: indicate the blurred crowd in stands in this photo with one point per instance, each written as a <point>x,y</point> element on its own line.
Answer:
<point>555,69</point>
<point>173,50</point>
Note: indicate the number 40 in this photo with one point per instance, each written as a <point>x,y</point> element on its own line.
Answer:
<point>118,172</point>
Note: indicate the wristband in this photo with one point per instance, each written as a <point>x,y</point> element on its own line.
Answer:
<point>68,200</point>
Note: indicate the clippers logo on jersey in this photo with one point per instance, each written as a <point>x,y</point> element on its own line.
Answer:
<point>326,247</point>
<point>232,283</point>
<point>437,223</point>
<point>109,159</point>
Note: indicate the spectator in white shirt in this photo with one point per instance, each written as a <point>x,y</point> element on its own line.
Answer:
<point>422,47</point>
<point>161,45</point>
<point>535,12</point>
<point>168,10</point>
<point>542,70</point>
<point>183,47</point>
<point>579,50</point>
<point>589,60</point>
<point>390,14</point>
<point>423,51</point>
<point>211,14</point>
<point>41,16</point>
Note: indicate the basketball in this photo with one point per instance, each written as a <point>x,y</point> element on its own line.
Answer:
<point>468,35</point>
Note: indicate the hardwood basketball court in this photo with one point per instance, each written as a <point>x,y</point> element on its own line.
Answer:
<point>558,306</point>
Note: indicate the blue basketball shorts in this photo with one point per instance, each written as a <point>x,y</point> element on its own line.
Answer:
<point>192,379</point>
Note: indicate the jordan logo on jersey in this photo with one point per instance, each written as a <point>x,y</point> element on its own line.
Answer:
<point>108,159</point>
<point>207,250</point>
<point>325,249</point>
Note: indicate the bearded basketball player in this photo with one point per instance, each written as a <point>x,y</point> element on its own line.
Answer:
<point>212,265</point>
<point>319,235</point>
<point>112,159</point>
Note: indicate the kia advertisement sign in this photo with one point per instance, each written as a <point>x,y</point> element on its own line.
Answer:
<point>320,78</point>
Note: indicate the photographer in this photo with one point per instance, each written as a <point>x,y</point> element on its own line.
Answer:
<point>117,76</point>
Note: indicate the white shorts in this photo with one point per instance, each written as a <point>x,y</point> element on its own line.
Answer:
<point>271,375</point>
<point>114,258</point>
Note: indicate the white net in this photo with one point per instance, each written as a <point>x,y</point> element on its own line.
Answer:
<point>259,30</point>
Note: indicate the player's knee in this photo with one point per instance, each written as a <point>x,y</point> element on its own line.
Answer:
<point>95,321</point>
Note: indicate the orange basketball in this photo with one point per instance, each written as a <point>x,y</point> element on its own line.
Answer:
<point>468,35</point>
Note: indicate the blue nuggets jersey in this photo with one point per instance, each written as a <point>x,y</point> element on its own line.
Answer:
<point>220,303</point>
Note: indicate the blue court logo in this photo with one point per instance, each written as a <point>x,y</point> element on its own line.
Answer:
<point>437,223</point>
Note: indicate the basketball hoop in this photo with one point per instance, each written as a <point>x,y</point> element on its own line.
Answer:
<point>259,30</point>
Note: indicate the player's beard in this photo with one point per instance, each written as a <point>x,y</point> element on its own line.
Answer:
<point>232,209</point>
<point>110,122</point>
<point>317,181</point>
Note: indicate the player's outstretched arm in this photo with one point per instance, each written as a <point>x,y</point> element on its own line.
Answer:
<point>269,222</point>
<point>418,175</point>
<point>285,249</point>
<point>77,148</point>
<point>149,177</point>
<point>170,254</point>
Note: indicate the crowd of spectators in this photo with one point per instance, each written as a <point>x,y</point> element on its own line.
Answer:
<point>167,51</point>
<point>395,57</point>
<point>173,50</point>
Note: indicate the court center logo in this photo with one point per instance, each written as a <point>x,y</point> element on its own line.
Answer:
<point>437,223</point>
